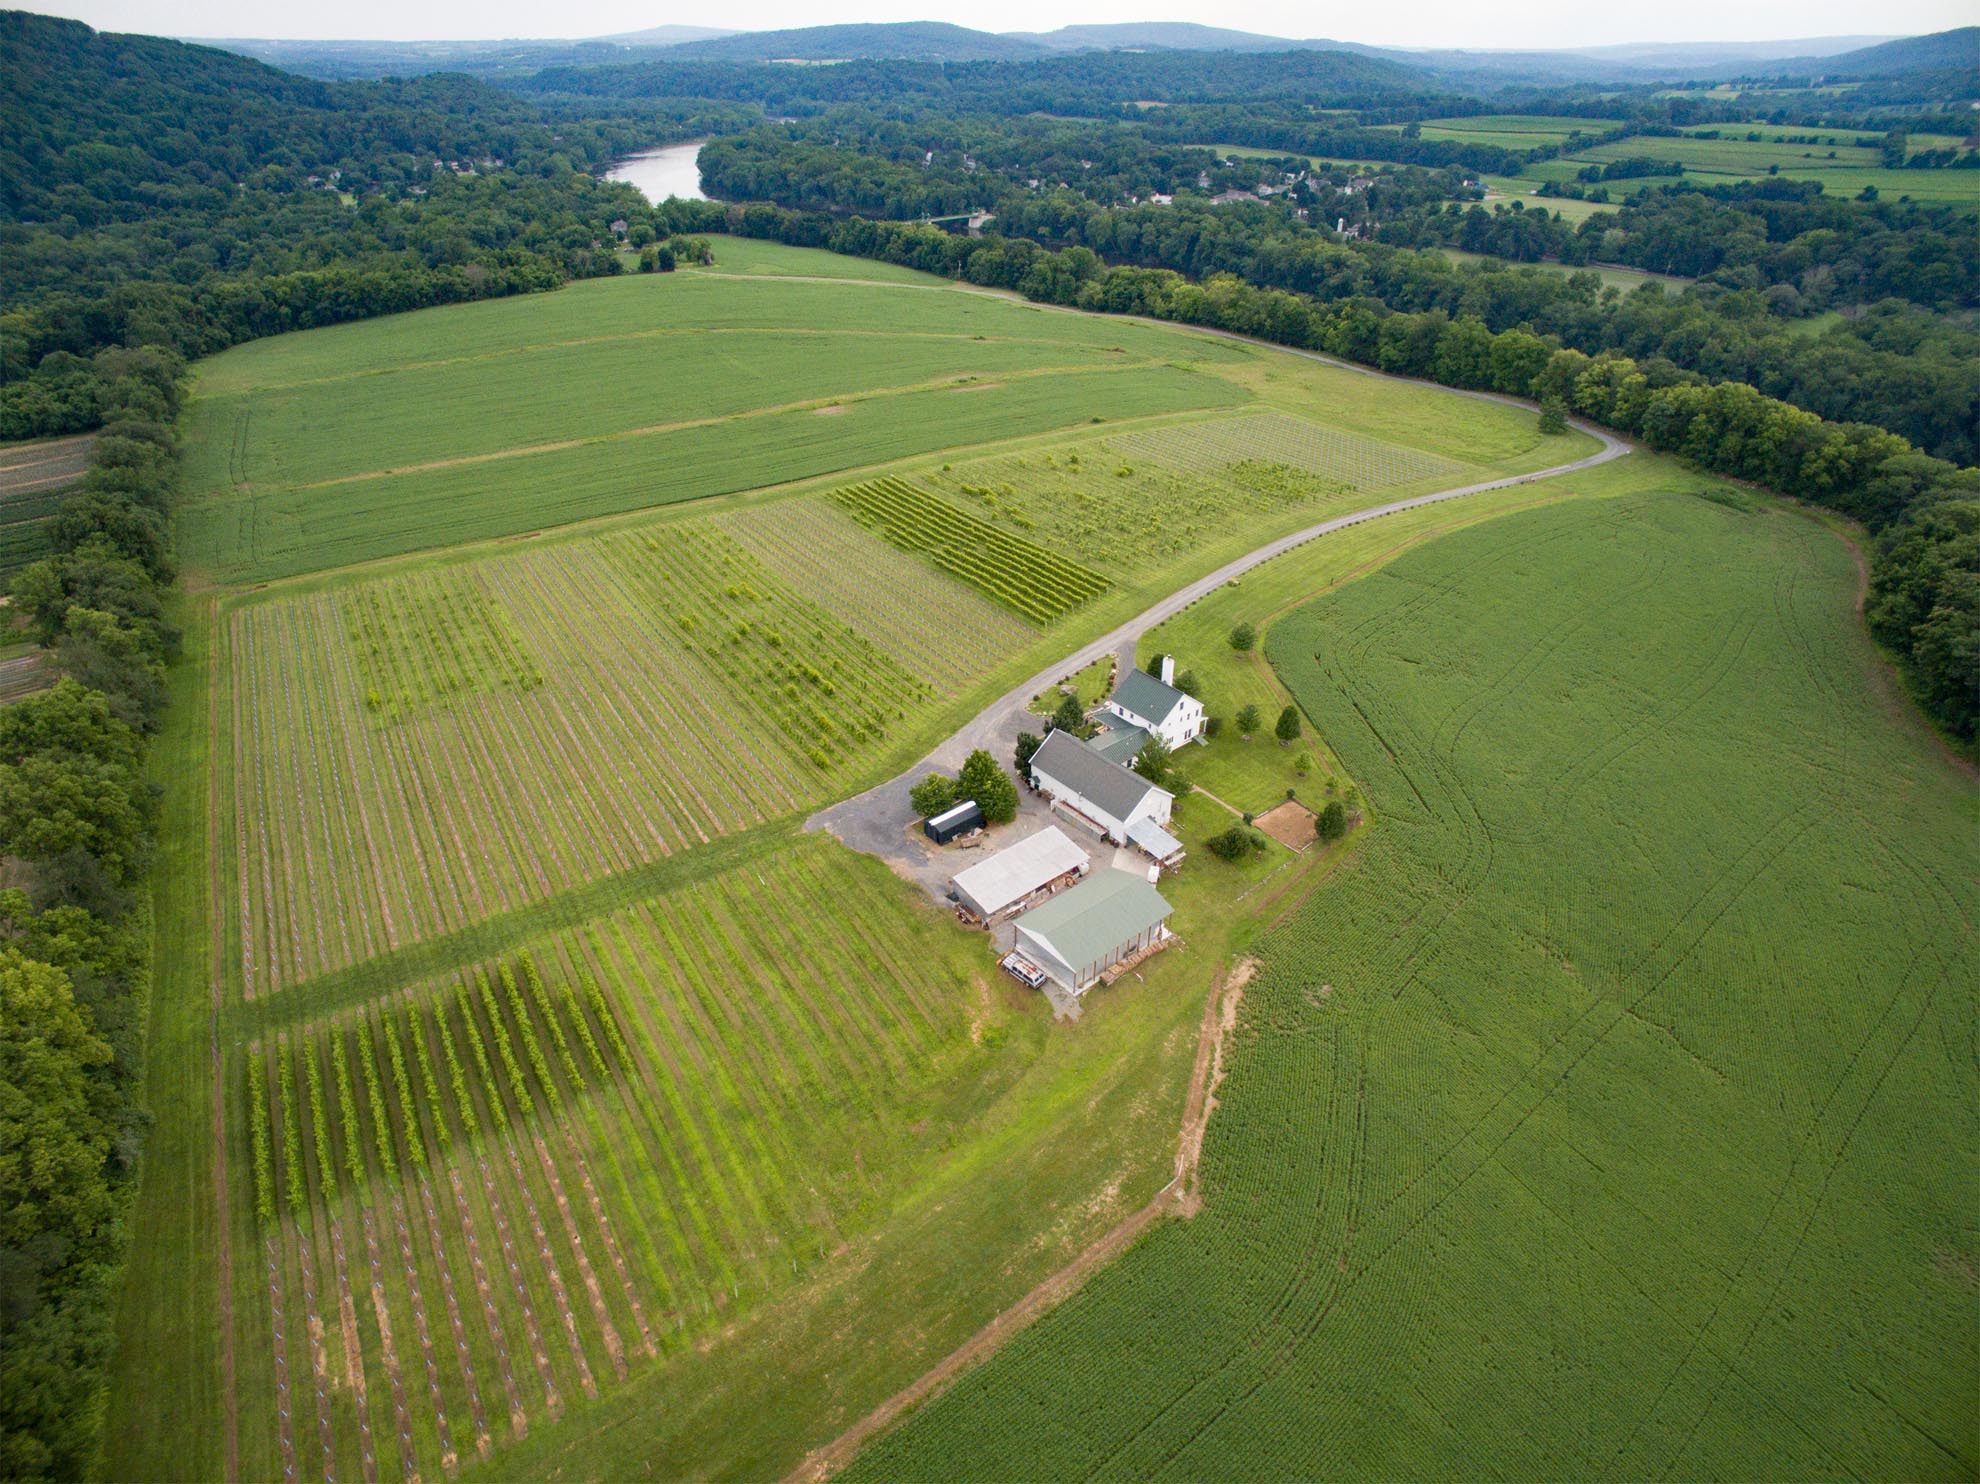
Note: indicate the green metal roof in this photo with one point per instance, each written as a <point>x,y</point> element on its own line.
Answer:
<point>1144,695</point>
<point>1085,923</point>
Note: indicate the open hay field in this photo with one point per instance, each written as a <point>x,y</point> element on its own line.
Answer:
<point>478,421</point>
<point>1614,1114</point>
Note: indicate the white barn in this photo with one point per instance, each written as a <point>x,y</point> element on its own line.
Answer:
<point>1007,879</point>
<point>1157,707</point>
<point>1081,782</point>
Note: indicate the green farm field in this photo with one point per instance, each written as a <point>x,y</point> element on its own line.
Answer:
<point>563,1083</point>
<point>1626,279</point>
<point>1613,1113</point>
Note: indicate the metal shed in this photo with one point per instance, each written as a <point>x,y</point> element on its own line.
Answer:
<point>960,820</point>
<point>1011,877</point>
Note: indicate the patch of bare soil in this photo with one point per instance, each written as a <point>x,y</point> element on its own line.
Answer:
<point>1292,824</point>
<point>832,410</point>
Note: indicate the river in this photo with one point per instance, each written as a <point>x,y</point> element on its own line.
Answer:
<point>660,173</point>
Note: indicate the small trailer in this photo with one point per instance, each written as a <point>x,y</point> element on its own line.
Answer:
<point>952,823</point>
<point>1023,970</point>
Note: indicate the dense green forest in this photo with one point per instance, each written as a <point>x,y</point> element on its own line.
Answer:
<point>163,194</point>
<point>159,202</point>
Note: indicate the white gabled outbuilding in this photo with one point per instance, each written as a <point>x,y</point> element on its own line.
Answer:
<point>1012,876</point>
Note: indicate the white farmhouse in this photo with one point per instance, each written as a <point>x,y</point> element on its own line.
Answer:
<point>1156,706</point>
<point>1082,783</point>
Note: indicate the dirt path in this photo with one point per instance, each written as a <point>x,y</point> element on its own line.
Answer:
<point>1181,1193</point>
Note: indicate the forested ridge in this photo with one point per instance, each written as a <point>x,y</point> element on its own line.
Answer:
<point>157,193</point>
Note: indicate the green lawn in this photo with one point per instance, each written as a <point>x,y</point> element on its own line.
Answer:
<point>1612,1113</point>
<point>1626,279</point>
<point>753,256</point>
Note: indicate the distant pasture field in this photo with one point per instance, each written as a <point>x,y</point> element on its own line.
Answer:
<point>1615,1114</point>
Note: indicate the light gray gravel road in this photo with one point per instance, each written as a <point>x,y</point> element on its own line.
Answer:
<point>878,821</point>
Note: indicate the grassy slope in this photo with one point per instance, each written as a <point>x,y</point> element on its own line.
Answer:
<point>1633,1046</point>
<point>478,421</point>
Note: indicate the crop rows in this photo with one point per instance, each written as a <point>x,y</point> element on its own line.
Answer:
<point>699,695</point>
<point>419,641</point>
<point>1250,445</point>
<point>1093,503</point>
<point>491,1193</point>
<point>937,628</point>
<point>1022,576</point>
<point>824,690</point>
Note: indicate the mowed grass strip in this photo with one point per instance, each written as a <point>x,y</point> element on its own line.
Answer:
<point>1561,1126</point>
<point>549,1171</point>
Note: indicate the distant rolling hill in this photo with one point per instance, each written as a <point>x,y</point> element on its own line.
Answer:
<point>1185,36</point>
<point>920,41</point>
<point>1942,51</point>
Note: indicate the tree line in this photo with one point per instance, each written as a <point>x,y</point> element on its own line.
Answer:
<point>76,822</point>
<point>153,193</point>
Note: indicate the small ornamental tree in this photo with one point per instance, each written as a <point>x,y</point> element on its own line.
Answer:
<point>1247,719</point>
<point>1239,842</point>
<point>1189,685</point>
<point>1244,636</point>
<point>1213,727</point>
<point>1152,762</point>
<point>932,795</point>
<point>1333,821</point>
<point>1288,728</point>
<point>1071,717</point>
<point>1303,764</point>
<point>1028,744</point>
<point>990,786</point>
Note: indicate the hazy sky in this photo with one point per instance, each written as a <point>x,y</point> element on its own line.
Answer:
<point>1404,23</point>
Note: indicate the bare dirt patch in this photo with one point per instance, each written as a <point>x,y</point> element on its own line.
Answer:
<point>1292,824</point>
<point>832,411</point>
